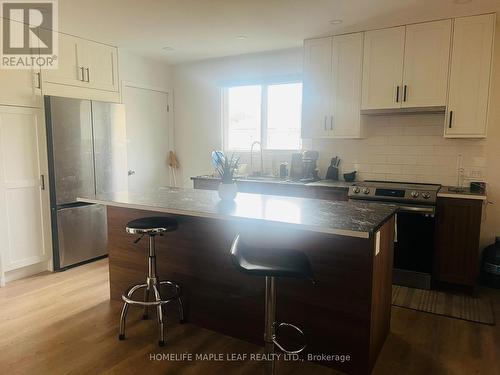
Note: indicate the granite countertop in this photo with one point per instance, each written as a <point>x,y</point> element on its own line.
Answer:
<point>466,193</point>
<point>354,219</point>
<point>270,180</point>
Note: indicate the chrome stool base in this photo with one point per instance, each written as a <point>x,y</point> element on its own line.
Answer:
<point>152,286</point>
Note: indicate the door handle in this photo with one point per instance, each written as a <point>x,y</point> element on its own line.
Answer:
<point>450,119</point>
<point>88,74</point>
<point>404,93</point>
<point>331,122</point>
<point>397,94</point>
<point>131,172</point>
<point>325,121</point>
<point>83,73</point>
<point>42,182</point>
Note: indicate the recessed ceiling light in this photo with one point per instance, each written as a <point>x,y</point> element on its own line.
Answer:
<point>168,48</point>
<point>335,22</point>
<point>242,37</point>
<point>460,2</point>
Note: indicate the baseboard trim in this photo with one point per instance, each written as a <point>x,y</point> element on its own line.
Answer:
<point>23,272</point>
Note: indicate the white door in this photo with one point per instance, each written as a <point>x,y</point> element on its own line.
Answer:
<point>426,64</point>
<point>316,87</point>
<point>71,63</point>
<point>24,201</point>
<point>148,137</point>
<point>347,72</point>
<point>101,66</point>
<point>383,68</point>
<point>470,76</point>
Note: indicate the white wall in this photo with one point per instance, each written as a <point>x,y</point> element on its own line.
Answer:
<point>197,100</point>
<point>144,71</point>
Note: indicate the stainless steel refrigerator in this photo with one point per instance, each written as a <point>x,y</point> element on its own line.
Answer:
<point>87,156</point>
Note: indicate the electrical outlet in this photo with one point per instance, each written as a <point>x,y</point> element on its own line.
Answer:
<point>476,173</point>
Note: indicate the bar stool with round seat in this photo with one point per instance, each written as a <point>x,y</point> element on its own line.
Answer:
<point>270,264</point>
<point>151,226</point>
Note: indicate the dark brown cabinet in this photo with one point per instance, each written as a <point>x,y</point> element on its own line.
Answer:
<point>456,251</point>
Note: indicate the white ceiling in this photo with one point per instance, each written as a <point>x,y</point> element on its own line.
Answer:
<point>201,29</point>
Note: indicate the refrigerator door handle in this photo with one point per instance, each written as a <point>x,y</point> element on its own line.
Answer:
<point>42,181</point>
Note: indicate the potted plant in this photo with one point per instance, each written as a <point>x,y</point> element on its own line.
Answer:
<point>226,168</point>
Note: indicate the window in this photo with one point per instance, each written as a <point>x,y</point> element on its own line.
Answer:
<point>270,114</point>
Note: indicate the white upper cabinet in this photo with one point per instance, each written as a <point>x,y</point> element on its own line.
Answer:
<point>316,87</point>
<point>70,68</point>
<point>101,66</point>
<point>426,64</point>
<point>347,70</point>
<point>470,76</point>
<point>86,64</point>
<point>383,68</point>
<point>20,88</point>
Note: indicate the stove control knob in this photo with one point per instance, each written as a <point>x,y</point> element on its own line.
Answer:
<point>356,190</point>
<point>366,191</point>
<point>414,194</point>
<point>426,195</point>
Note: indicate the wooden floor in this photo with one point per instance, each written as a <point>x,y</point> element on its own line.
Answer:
<point>64,323</point>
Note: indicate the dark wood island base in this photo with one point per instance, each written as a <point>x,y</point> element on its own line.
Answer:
<point>346,313</point>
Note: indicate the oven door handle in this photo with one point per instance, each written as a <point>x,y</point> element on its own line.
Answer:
<point>417,209</point>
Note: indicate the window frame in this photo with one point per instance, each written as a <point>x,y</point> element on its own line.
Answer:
<point>224,111</point>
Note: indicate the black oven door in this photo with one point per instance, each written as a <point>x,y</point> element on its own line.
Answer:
<point>414,246</point>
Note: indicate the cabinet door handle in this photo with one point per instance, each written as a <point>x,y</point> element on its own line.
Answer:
<point>404,93</point>
<point>450,119</point>
<point>83,74</point>
<point>38,81</point>
<point>331,122</point>
<point>397,94</point>
<point>88,74</point>
<point>42,181</point>
<point>325,122</point>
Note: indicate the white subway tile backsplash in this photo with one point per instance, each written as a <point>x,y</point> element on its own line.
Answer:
<point>404,148</point>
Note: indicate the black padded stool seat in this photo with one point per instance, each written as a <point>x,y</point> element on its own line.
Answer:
<point>155,224</point>
<point>273,263</point>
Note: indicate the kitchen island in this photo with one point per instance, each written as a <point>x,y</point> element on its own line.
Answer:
<point>349,245</point>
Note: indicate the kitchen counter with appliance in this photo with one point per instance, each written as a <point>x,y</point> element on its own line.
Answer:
<point>463,193</point>
<point>349,245</point>
<point>353,219</point>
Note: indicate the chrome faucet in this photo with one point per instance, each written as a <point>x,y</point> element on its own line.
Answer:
<point>261,173</point>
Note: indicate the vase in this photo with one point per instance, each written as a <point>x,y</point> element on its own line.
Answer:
<point>228,191</point>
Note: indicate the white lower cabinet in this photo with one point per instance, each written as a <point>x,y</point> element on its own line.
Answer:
<point>24,200</point>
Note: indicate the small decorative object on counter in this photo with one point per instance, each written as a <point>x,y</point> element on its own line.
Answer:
<point>478,187</point>
<point>350,177</point>
<point>226,168</point>
<point>490,269</point>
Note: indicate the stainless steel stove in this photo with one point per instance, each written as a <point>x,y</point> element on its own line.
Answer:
<point>414,226</point>
<point>409,196</point>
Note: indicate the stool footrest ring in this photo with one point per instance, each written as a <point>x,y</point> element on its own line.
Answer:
<point>127,296</point>
<point>280,347</point>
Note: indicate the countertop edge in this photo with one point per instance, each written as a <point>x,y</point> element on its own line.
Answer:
<point>462,196</point>
<point>341,232</point>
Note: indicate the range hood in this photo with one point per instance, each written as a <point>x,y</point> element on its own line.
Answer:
<point>402,111</point>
